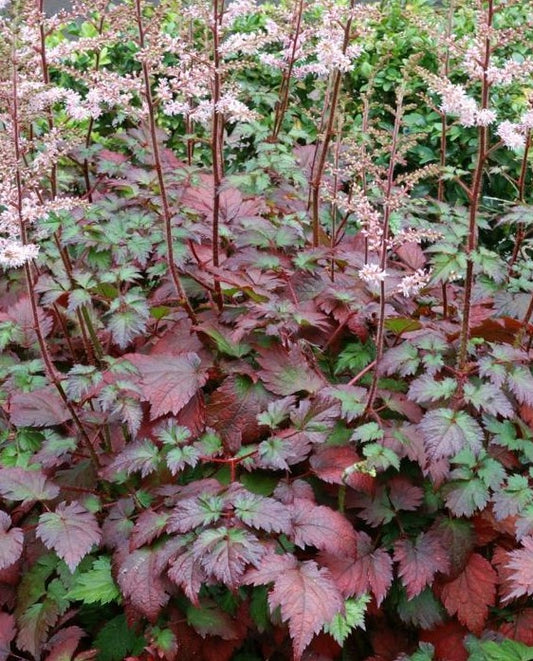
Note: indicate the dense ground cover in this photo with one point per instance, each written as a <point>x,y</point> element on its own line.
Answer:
<point>265,321</point>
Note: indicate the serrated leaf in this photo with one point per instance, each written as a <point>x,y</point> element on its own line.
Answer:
<point>177,458</point>
<point>71,531</point>
<point>262,513</point>
<point>423,611</point>
<point>486,397</point>
<point>471,593</point>
<point>209,620</point>
<point>39,408</point>
<point>447,432</point>
<point>520,565</point>
<point>116,640</point>
<point>503,650</point>
<point>402,360</point>
<point>233,410</point>
<point>225,553</point>
<point>307,596</point>
<point>329,463</point>
<point>342,625</point>
<point>512,499</point>
<point>419,560</point>
<point>365,569</point>
<point>149,526</point>
<point>427,389</point>
<point>11,541</point>
<point>95,585</point>
<point>287,372</point>
<point>141,456</point>
<point>321,527</point>
<point>520,383</point>
<point>464,497</point>
<point>168,382</point>
<point>26,485</point>
<point>128,317</point>
<point>34,624</point>
<point>187,572</point>
<point>7,633</point>
<point>54,450</point>
<point>191,513</point>
<point>141,581</point>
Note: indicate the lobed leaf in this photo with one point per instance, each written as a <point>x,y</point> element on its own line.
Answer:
<point>11,541</point>
<point>471,593</point>
<point>168,382</point>
<point>446,432</point>
<point>71,531</point>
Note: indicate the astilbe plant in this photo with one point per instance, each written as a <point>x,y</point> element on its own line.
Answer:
<point>266,386</point>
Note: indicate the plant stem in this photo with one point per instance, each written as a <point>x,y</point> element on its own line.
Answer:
<point>474,199</point>
<point>283,102</point>
<point>167,216</point>
<point>380,335</point>
<point>322,146</point>
<point>49,367</point>
<point>217,142</point>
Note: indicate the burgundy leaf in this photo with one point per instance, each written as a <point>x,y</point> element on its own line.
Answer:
<point>22,313</point>
<point>7,633</point>
<point>520,581</point>
<point>148,527</point>
<point>287,372</point>
<point>140,580</point>
<point>26,485</point>
<point>233,409</point>
<point>65,642</point>
<point>34,624</point>
<point>70,531</point>
<point>191,513</point>
<point>419,561</point>
<point>362,571</point>
<point>403,495</point>
<point>322,527</point>
<point>11,541</point>
<point>188,573</point>
<point>330,462</point>
<point>261,512</point>
<point>168,382</point>
<point>117,527</point>
<point>141,456</point>
<point>224,553</point>
<point>307,596</point>
<point>39,408</point>
<point>471,593</point>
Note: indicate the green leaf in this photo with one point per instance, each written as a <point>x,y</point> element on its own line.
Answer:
<point>380,458</point>
<point>427,389</point>
<point>355,357</point>
<point>490,650</point>
<point>115,641</point>
<point>225,345</point>
<point>95,585</point>
<point>370,431</point>
<point>342,625</point>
